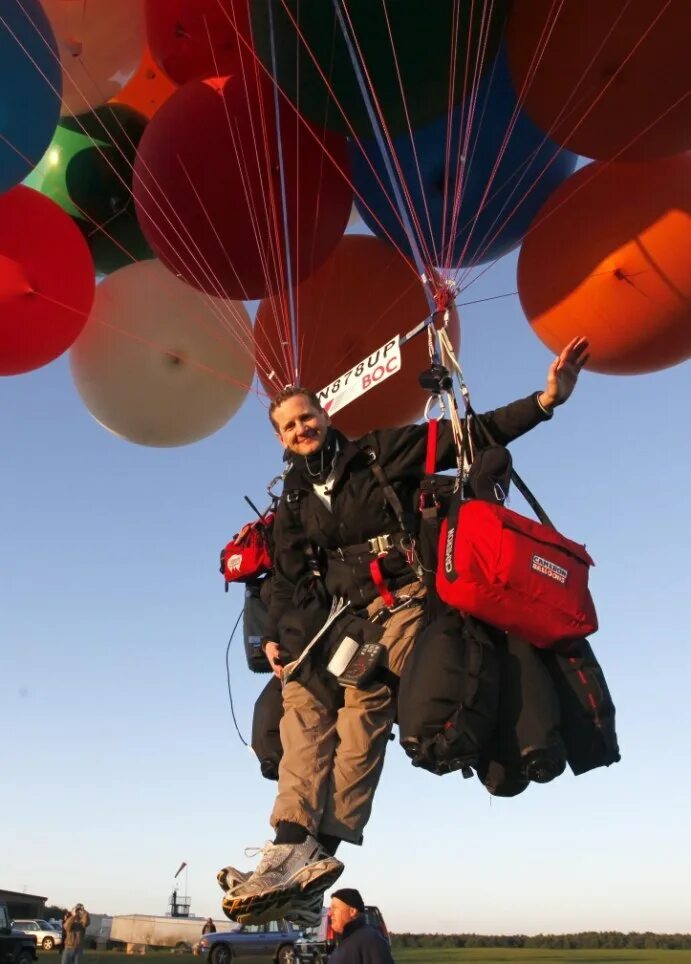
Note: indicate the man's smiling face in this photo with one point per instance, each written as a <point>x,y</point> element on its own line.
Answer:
<point>300,425</point>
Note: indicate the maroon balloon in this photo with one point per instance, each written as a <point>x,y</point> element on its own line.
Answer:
<point>46,281</point>
<point>208,188</point>
<point>193,39</point>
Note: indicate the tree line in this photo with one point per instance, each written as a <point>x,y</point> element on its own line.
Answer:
<point>586,940</point>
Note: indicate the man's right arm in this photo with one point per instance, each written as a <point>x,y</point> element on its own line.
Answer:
<point>290,563</point>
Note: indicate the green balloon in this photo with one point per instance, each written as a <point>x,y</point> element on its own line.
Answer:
<point>87,170</point>
<point>416,54</point>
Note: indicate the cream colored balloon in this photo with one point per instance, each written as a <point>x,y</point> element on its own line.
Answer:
<point>159,363</point>
<point>101,44</point>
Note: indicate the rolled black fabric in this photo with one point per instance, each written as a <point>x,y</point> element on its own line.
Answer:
<point>587,711</point>
<point>266,737</point>
<point>527,744</point>
<point>449,694</point>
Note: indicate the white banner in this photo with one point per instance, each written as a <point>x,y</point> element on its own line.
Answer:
<point>370,372</point>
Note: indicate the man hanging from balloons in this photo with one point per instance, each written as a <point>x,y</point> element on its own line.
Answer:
<point>345,554</point>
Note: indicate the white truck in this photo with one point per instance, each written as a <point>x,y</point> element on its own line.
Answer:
<point>148,931</point>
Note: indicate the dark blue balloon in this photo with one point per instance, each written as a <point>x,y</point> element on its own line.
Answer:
<point>497,206</point>
<point>29,102</point>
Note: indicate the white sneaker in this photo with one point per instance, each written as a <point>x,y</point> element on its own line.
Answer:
<point>229,877</point>
<point>285,872</point>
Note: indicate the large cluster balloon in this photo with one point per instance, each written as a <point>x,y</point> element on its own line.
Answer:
<point>46,281</point>
<point>148,89</point>
<point>87,170</point>
<point>155,364</point>
<point>30,88</point>
<point>101,44</point>
<point>608,257</point>
<point>416,58</point>
<point>606,79</point>
<point>194,39</point>
<point>208,185</point>
<point>474,178</point>
<point>359,299</point>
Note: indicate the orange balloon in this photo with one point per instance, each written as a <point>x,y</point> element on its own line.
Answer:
<point>100,44</point>
<point>608,257</point>
<point>606,79</point>
<point>148,89</point>
<point>351,306</point>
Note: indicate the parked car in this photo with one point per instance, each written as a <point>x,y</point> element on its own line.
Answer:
<point>270,943</point>
<point>47,937</point>
<point>317,943</point>
<point>15,946</point>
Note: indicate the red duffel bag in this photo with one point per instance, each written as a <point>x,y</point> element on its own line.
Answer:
<point>516,574</point>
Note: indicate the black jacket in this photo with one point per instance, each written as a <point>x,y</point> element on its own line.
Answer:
<point>361,944</point>
<point>359,509</point>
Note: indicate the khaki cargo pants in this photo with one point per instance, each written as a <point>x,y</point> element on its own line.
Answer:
<point>332,760</point>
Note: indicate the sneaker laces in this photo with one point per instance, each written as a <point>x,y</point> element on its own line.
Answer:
<point>273,855</point>
<point>254,851</point>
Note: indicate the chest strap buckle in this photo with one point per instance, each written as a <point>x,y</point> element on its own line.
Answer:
<point>381,545</point>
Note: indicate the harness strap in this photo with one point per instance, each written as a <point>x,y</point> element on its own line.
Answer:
<point>431,456</point>
<point>377,546</point>
<point>382,588</point>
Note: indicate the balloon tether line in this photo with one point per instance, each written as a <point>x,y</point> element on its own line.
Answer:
<point>284,196</point>
<point>407,226</point>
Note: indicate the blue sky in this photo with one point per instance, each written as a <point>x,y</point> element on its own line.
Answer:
<point>120,757</point>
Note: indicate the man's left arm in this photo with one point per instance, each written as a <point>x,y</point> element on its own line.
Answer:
<point>511,421</point>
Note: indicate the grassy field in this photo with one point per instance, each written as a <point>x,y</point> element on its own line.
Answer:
<point>503,955</point>
<point>410,955</point>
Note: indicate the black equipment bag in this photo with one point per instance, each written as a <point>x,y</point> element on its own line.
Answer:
<point>266,737</point>
<point>527,745</point>
<point>587,710</point>
<point>257,597</point>
<point>448,696</point>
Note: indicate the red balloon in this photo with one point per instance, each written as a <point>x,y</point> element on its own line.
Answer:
<point>208,187</point>
<point>351,306</point>
<point>46,281</point>
<point>608,257</point>
<point>603,78</point>
<point>193,39</point>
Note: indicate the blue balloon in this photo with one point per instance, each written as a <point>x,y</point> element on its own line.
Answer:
<point>496,206</point>
<point>29,101</point>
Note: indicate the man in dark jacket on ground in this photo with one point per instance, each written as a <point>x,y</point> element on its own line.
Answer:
<point>338,512</point>
<point>360,943</point>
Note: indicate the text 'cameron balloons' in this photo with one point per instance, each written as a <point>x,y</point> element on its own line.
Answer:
<point>159,363</point>
<point>87,170</point>
<point>101,44</point>
<point>46,281</point>
<point>30,88</point>
<point>406,50</point>
<point>351,306</point>
<point>474,191</point>
<point>148,89</point>
<point>608,257</point>
<point>208,188</point>
<point>606,79</point>
<point>194,39</point>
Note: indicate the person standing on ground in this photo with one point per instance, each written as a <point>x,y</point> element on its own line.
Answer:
<point>75,932</point>
<point>360,943</point>
<point>209,927</point>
